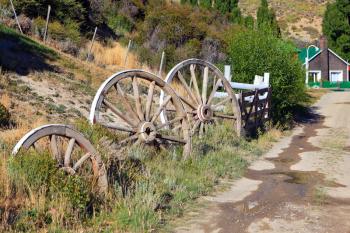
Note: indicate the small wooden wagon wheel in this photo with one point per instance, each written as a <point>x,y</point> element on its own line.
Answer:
<point>196,82</point>
<point>72,151</point>
<point>128,103</point>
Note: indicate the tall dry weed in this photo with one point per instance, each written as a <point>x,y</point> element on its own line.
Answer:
<point>114,56</point>
<point>5,100</point>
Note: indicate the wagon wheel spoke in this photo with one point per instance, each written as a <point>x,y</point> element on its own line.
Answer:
<point>81,161</point>
<point>135,87</point>
<point>187,102</point>
<point>54,148</point>
<point>36,147</point>
<point>205,84</point>
<point>175,129</point>
<point>188,90</point>
<point>129,139</point>
<point>225,116</point>
<point>118,127</point>
<point>68,154</point>
<point>195,84</point>
<point>149,100</point>
<point>171,122</point>
<point>117,112</point>
<point>126,102</point>
<point>201,129</point>
<point>222,102</point>
<point>171,138</point>
<point>161,108</point>
<point>174,110</point>
<point>215,88</point>
<point>195,126</point>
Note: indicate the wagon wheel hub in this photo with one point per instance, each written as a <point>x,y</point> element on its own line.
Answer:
<point>147,132</point>
<point>205,113</point>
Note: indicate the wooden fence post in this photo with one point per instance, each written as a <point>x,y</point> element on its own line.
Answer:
<point>92,43</point>
<point>14,12</point>
<point>127,53</point>
<point>227,73</point>
<point>161,64</point>
<point>47,22</point>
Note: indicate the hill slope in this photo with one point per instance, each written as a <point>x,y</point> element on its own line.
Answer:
<point>39,84</point>
<point>298,19</point>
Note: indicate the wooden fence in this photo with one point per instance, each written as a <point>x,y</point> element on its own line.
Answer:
<point>255,107</point>
<point>254,99</point>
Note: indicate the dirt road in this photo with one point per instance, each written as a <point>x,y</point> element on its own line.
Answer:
<point>301,185</point>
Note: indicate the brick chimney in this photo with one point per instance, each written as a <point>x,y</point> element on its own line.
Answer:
<point>324,57</point>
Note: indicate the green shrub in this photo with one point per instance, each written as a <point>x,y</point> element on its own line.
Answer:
<point>4,116</point>
<point>61,10</point>
<point>75,188</point>
<point>59,31</point>
<point>32,170</point>
<point>253,53</point>
<point>120,24</point>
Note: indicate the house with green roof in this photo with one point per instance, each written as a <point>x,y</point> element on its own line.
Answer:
<point>324,63</point>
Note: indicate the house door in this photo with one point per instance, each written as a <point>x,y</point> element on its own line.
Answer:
<point>314,75</point>
<point>336,76</point>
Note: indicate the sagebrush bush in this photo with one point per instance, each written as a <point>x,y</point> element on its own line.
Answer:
<point>4,116</point>
<point>32,170</point>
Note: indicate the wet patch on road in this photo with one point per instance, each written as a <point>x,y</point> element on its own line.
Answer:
<point>279,186</point>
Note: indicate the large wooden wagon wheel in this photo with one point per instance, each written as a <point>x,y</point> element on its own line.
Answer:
<point>73,152</point>
<point>196,82</point>
<point>128,103</point>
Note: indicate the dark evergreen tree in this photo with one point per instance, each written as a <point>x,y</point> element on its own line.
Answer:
<point>225,6</point>
<point>266,19</point>
<point>205,3</point>
<point>62,10</point>
<point>336,27</point>
<point>236,16</point>
<point>249,22</point>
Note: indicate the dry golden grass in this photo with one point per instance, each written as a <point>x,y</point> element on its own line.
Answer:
<point>5,100</point>
<point>270,137</point>
<point>23,125</point>
<point>114,56</point>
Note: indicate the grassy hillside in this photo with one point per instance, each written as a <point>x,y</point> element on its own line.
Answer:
<point>39,84</point>
<point>301,20</point>
<point>43,83</point>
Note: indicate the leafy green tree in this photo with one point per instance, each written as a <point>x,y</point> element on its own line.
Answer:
<point>266,19</point>
<point>336,27</point>
<point>253,52</point>
<point>62,10</point>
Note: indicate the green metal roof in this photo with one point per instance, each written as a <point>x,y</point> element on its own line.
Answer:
<point>302,53</point>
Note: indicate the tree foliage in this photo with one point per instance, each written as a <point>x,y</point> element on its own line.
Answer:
<point>61,10</point>
<point>266,19</point>
<point>336,26</point>
<point>253,52</point>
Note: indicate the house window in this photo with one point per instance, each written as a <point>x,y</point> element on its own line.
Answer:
<point>314,75</point>
<point>336,76</point>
